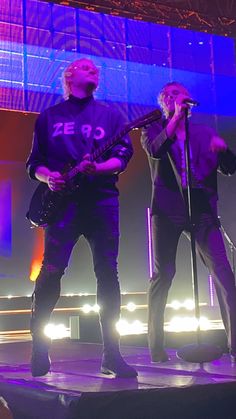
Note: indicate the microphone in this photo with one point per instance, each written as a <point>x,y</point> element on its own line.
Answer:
<point>191,102</point>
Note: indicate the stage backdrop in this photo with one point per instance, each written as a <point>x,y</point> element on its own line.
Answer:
<point>38,40</point>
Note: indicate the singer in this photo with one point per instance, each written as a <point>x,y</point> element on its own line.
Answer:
<point>164,143</point>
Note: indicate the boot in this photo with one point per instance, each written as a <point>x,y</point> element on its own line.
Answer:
<point>112,360</point>
<point>114,363</point>
<point>43,302</point>
<point>40,360</point>
<point>160,356</point>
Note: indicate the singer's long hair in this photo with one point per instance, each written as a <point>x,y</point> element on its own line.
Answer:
<point>160,98</point>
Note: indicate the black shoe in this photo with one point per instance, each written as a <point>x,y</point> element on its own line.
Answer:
<point>113,363</point>
<point>40,360</point>
<point>160,356</point>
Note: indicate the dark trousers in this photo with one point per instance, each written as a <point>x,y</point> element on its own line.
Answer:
<point>100,226</point>
<point>210,246</point>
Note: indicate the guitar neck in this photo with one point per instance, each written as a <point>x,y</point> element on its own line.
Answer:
<point>138,123</point>
<point>109,144</point>
<point>100,151</point>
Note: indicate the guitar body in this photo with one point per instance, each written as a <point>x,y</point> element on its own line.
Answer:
<point>44,206</point>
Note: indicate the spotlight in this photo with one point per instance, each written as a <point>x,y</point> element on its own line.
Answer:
<point>131,306</point>
<point>137,327</point>
<point>175,304</point>
<point>125,328</point>
<point>96,308</point>
<point>87,308</point>
<point>187,324</point>
<point>189,304</point>
<point>58,331</point>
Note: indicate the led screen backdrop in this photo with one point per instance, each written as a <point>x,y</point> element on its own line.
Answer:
<point>37,41</point>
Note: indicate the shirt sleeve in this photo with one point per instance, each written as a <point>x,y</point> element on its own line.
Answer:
<point>227,162</point>
<point>123,149</point>
<point>226,159</point>
<point>155,141</point>
<point>38,156</point>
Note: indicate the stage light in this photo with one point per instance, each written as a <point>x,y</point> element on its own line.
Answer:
<point>58,331</point>
<point>189,304</point>
<point>211,290</point>
<point>9,296</point>
<point>131,306</point>
<point>35,269</point>
<point>187,324</point>
<point>175,304</point>
<point>87,308</point>
<point>150,244</point>
<point>205,323</point>
<point>125,328</point>
<point>96,308</point>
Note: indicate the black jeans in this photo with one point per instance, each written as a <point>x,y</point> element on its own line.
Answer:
<point>99,224</point>
<point>210,246</point>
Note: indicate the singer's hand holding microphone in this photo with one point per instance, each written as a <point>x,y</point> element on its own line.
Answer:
<point>183,102</point>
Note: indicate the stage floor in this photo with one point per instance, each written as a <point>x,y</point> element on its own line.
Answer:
<point>75,372</point>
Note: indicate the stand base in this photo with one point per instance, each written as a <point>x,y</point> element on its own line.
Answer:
<point>199,352</point>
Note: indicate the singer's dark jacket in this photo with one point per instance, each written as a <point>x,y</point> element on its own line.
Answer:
<point>165,165</point>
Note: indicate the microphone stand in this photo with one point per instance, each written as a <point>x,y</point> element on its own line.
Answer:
<point>197,352</point>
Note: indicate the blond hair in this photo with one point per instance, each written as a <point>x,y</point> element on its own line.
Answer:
<point>65,82</point>
<point>66,75</point>
<point>160,98</point>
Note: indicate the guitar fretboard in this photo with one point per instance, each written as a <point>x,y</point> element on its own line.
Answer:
<point>139,123</point>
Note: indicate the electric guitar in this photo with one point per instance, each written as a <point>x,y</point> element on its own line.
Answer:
<point>45,204</point>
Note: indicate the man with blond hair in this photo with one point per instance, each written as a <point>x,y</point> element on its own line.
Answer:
<point>71,131</point>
